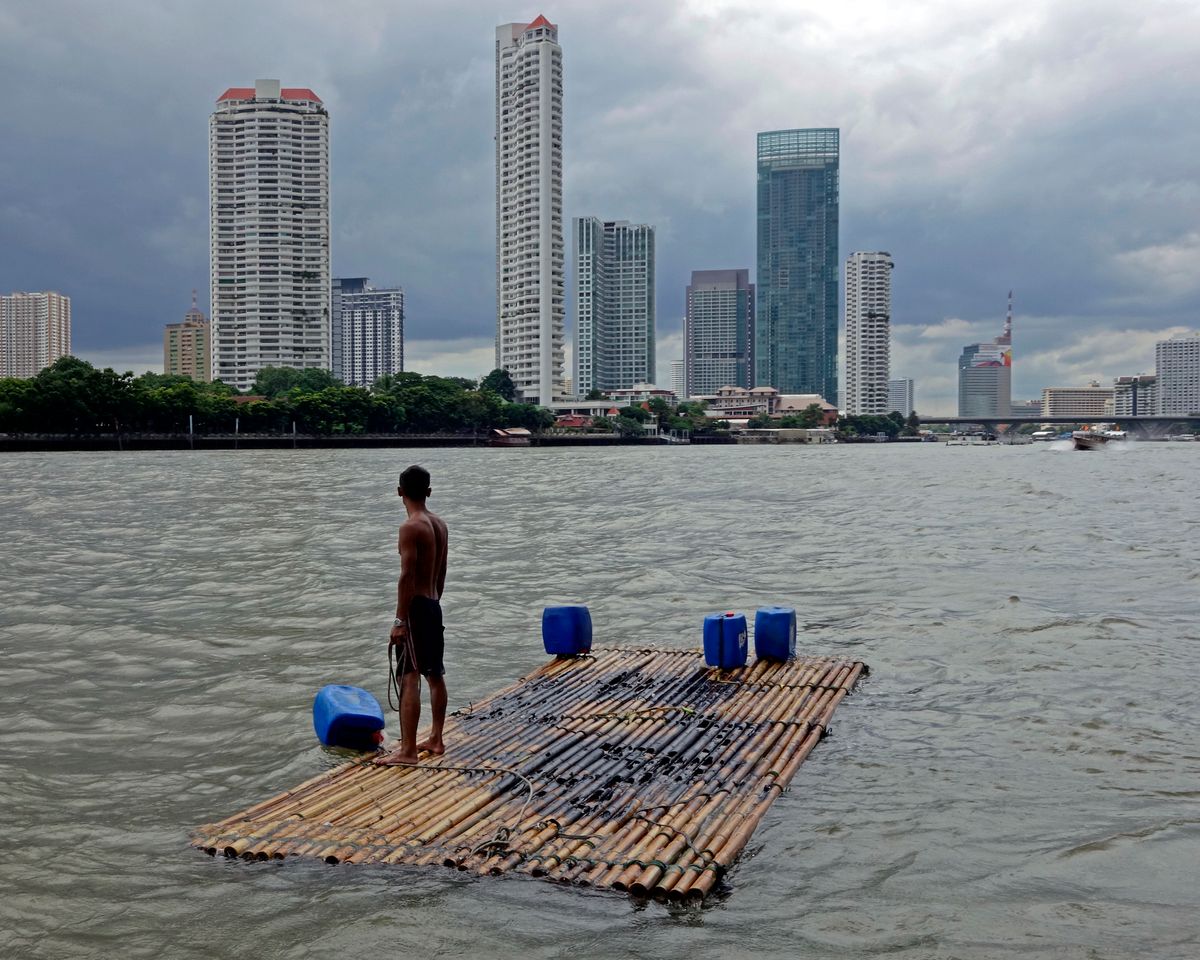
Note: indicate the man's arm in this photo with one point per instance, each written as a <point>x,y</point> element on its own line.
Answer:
<point>408,573</point>
<point>441,574</point>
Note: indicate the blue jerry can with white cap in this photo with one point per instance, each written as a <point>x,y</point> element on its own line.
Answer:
<point>775,633</point>
<point>567,631</point>
<point>346,716</point>
<point>725,640</point>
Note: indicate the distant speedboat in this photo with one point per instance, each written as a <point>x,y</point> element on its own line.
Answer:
<point>1096,437</point>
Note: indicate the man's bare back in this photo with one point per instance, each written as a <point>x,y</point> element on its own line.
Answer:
<point>417,633</point>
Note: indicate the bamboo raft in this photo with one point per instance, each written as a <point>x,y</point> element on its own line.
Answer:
<point>634,770</point>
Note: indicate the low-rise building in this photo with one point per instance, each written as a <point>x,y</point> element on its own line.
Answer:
<point>638,393</point>
<point>733,403</point>
<point>1090,401</point>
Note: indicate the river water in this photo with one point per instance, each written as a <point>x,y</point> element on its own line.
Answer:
<point>1019,776</point>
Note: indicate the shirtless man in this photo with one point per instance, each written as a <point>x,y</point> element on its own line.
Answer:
<point>417,631</point>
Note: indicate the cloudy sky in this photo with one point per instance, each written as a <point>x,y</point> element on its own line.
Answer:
<point>1048,147</point>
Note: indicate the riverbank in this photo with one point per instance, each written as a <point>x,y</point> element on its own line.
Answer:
<point>45,443</point>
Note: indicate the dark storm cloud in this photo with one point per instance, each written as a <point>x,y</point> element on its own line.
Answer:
<point>1047,147</point>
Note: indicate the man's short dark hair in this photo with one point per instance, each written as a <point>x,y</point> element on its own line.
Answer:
<point>414,482</point>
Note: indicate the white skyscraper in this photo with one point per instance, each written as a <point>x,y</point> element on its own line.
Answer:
<point>868,332</point>
<point>268,166</point>
<point>529,233</point>
<point>369,330</point>
<point>35,330</point>
<point>1178,368</point>
<point>614,304</point>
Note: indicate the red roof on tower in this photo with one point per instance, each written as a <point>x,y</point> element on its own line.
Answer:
<point>541,21</point>
<point>287,93</point>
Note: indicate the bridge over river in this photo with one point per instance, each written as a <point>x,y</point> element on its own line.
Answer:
<point>1141,427</point>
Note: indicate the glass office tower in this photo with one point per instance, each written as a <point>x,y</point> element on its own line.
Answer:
<point>796,326</point>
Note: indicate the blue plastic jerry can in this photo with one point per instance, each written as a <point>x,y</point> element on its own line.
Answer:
<point>567,631</point>
<point>346,716</point>
<point>775,633</point>
<point>725,640</point>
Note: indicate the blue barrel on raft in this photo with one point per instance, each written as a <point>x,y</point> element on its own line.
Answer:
<point>725,640</point>
<point>346,716</point>
<point>775,633</point>
<point>567,631</point>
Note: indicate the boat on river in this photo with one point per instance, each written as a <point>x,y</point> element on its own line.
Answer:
<point>511,437</point>
<point>1097,436</point>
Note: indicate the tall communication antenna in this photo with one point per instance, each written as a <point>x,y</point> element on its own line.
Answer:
<point>1006,337</point>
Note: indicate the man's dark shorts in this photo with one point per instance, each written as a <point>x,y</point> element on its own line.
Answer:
<point>428,638</point>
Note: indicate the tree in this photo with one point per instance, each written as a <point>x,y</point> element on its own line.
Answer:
<point>912,426</point>
<point>501,384</point>
<point>759,421</point>
<point>812,416</point>
<point>628,426</point>
<point>271,382</point>
<point>594,394</point>
<point>660,408</point>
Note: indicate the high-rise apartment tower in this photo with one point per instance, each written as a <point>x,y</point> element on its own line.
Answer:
<point>268,166</point>
<point>796,331</point>
<point>529,233</point>
<point>35,330</point>
<point>868,293</point>
<point>614,304</point>
<point>369,322</point>
<point>1177,363</point>
<point>718,331</point>
<point>901,396</point>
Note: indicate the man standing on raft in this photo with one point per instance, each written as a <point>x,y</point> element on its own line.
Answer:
<point>417,632</point>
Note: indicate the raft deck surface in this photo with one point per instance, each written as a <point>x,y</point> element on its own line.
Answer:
<point>636,770</point>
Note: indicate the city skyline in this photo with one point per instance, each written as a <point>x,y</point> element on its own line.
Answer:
<point>1034,175</point>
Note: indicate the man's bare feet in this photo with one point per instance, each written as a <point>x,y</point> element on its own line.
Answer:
<point>397,758</point>
<point>433,747</point>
